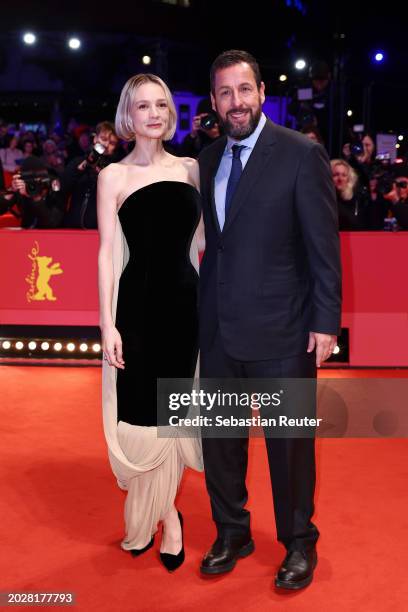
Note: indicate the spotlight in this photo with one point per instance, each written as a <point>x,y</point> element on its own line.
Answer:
<point>283,78</point>
<point>70,347</point>
<point>32,345</point>
<point>83,347</point>
<point>300,64</point>
<point>45,346</point>
<point>19,345</point>
<point>96,348</point>
<point>29,38</point>
<point>349,113</point>
<point>57,346</point>
<point>74,43</point>
<point>6,344</point>
<point>147,60</point>
<point>400,137</point>
<point>336,350</point>
<point>379,56</point>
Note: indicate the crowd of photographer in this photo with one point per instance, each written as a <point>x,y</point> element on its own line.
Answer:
<point>372,192</point>
<point>49,180</point>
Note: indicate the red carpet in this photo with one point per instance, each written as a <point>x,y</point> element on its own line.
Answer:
<point>62,514</point>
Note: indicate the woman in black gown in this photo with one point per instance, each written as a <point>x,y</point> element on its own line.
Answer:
<point>149,225</point>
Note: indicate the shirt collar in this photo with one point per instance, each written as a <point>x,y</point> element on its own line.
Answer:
<point>249,142</point>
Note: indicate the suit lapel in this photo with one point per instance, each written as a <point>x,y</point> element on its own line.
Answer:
<point>253,169</point>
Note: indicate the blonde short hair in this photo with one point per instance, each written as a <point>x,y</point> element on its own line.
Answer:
<point>352,178</point>
<point>123,120</point>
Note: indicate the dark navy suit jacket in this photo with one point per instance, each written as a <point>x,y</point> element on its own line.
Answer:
<point>273,274</point>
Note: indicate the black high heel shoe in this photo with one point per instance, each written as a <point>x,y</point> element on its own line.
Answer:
<point>135,552</point>
<point>173,562</point>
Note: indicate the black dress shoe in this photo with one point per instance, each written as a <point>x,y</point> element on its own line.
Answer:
<point>135,552</point>
<point>172,562</point>
<point>225,552</point>
<point>296,571</point>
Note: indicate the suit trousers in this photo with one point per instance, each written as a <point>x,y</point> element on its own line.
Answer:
<point>291,461</point>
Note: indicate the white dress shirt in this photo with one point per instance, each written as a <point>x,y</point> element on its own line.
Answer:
<point>224,169</point>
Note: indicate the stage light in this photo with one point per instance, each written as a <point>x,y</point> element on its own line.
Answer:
<point>400,137</point>
<point>70,347</point>
<point>96,348</point>
<point>74,43</point>
<point>379,56</point>
<point>397,146</point>
<point>300,64</point>
<point>32,345</point>
<point>57,346</point>
<point>29,38</point>
<point>349,113</point>
<point>45,346</point>
<point>147,60</point>
<point>336,350</point>
<point>19,345</point>
<point>83,347</point>
<point>6,344</point>
<point>283,78</point>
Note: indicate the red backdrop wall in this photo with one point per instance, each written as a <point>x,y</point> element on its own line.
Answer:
<point>49,277</point>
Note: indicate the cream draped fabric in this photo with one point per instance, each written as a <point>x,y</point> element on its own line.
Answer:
<point>148,467</point>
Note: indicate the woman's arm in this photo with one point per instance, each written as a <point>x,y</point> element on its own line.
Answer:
<point>108,181</point>
<point>194,177</point>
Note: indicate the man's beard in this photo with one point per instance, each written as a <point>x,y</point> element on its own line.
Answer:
<point>239,132</point>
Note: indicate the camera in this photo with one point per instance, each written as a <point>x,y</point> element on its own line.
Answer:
<point>35,181</point>
<point>208,121</point>
<point>356,142</point>
<point>385,183</point>
<point>94,156</point>
<point>356,148</point>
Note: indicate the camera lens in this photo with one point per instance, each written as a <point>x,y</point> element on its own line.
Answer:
<point>208,122</point>
<point>357,149</point>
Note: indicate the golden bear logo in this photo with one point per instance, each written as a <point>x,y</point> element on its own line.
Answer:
<point>41,272</point>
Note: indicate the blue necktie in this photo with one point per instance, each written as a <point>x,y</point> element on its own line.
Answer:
<point>235,175</point>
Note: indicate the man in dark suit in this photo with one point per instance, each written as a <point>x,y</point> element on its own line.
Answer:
<point>270,302</point>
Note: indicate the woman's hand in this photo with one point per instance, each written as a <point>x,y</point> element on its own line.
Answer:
<point>112,347</point>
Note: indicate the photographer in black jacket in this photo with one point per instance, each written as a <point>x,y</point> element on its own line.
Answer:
<point>80,177</point>
<point>205,130</point>
<point>35,196</point>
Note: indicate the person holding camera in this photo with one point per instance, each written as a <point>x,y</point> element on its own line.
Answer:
<point>398,196</point>
<point>80,178</point>
<point>35,196</point>
<point>360,155</point>
<point>205,130</point>
<point>309,100</point>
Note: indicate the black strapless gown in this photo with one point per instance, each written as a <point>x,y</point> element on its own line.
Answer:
<point>157,308</point>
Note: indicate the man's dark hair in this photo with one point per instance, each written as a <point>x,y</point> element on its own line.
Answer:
<point>231,58</point>
<point>105,126</point>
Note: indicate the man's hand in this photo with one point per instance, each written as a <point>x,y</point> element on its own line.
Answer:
<point>19,185</point>
<point>82,165</point>
<point>324,344</point>
<point>196,127</point>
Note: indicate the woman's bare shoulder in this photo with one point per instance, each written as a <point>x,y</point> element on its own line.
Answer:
<point>189,162</point>
<point>113,169</point>
<point>193,170</point>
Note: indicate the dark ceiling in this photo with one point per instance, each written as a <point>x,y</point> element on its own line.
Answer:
<point>273,31</point>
